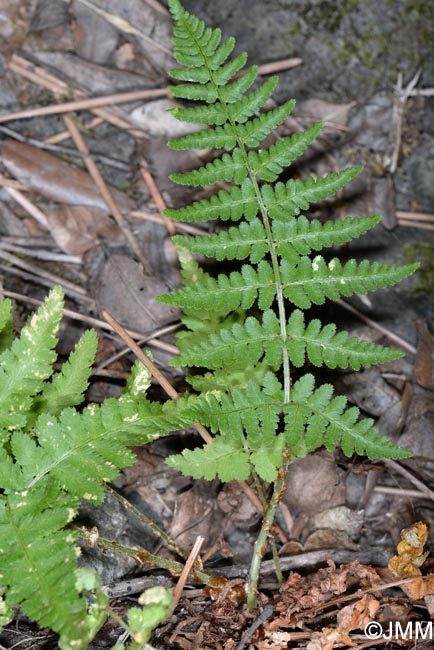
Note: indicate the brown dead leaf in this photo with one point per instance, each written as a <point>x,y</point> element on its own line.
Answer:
<point>320,110</point>
<point>424,366</point>
<point>48,14</point>
<point>410,551</point>
<point>77,228</point>
<point>195,514</point>
<point>121,287</point>
<point>97,37</point>
<point>356,616</point>
<point>54,178</point>
<point>419,587</point>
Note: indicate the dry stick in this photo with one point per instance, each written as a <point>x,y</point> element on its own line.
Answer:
<point>65,135</point>
<point>40,254</point>
<point>47,80</point>
<point>394,466</point>
<point>414,216</point>
<point>186,570</point>
<point>122,353</point>
<point>93,322</point>
<point>105,192</point>
<point>400,492</point>
<point>85,104</point>
<point>414,224</point>
<point>157,374</point>
<point>279,66</point>
<point>10,184</point>
<point>68,287</point>
<point>24,202</point>
<point>387,333</point>
<point>155,193</point>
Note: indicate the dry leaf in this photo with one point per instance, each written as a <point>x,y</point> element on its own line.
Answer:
<point>54,178</point>
<point>410,551</point>
<point>77,228</point>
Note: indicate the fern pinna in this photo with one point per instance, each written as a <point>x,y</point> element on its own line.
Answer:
<point>53,456</point>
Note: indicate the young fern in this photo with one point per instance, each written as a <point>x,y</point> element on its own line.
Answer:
<point>262,417</point>
<point>53,456</point>
<point>276,241</point>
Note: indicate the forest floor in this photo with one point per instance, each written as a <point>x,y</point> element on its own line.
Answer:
<point>83,181</point>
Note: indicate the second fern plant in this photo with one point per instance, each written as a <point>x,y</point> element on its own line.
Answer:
<point>247,327</point>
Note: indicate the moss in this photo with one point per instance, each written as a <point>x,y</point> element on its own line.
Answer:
<point>422,253</point>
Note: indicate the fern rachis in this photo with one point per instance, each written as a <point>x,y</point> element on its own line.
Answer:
<point>250,358</point>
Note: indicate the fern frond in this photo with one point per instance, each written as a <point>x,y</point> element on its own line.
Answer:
<point>239,202</point>
<point>225,137</point>
<point>83,450</point>
<point>299,236</point>
<point>265,164</point>
<point>217,114</point>
<point>225,458</point>
<point>68,386</point>
<point>27,363</point>
<point>248,341</point>
<point>285,200</point>
<point>312,281</point>
<point>323,346</point>
<point>227,293</point>
<point>6,324</point>
<point>313,418</point>
<point>38,561</point>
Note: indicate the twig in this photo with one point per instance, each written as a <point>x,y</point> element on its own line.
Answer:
<point>266,613</point>
<point>155,193</point>
<point>145,339</point>
<point>24,202</point>
<point>394,338</point>
<point>65,135</point>
<point>423,92</point>
<point>394,466</point>
<point>414,216</point>
<point>105,192</point>
<point>401,95</point>
<point>279,66</point>
<point>142,556</point>
<point>186,570</point>
<point>179,227</point>
<point>117,164</point>
<point>69,287</point>
<point>400,492</point>
<point>414,224</point>
<point>9,183</point>
<point>85,104</point>
<point>164,383</point>
<point>40,254</point>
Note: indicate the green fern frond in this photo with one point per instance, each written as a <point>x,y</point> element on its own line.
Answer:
<point>285,200</point>
<point>277,242</point>
<point>299,236</point>
<point>238,202</point>
<point>68,386</point>
<point>6,324</point>
<point>313,418</point>
<point>312,281</point>
<point>38,563</point>
<point>27,363</point>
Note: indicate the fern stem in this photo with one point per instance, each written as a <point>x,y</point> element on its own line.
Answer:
<point>157,531</point>
<point>142,556</point>
<point>261,541</point>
